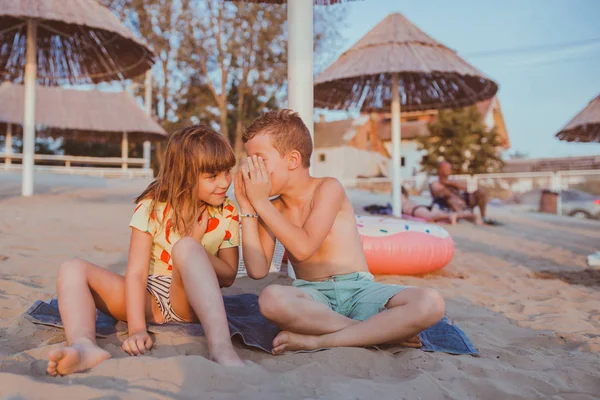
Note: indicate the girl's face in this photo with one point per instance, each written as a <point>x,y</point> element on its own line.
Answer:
<point>212,187</point>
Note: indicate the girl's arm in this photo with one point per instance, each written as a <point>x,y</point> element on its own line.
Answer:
<point>225,264</point>
<point>136,278</point>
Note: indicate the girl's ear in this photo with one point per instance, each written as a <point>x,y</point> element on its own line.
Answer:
<point>294,160</point>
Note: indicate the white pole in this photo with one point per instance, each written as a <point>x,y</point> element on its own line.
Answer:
<point>29,114</point>
<point>396,142</point>
<point>300,61</point>
<point>8,144</point>
<point>124,151</point>
<point>556,184</point>
<point>147,151</point>
<point>148,102</point>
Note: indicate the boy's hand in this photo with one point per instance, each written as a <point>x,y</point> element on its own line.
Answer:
<point>200,227</point>
<point>137,343</point>
<point>240,194</point>
<point>257,180</point>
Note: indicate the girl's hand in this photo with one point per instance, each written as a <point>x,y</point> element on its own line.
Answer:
<point>137,343</point>
<point>240,194</point>
<point>200,228</point>
<point>257,180</point>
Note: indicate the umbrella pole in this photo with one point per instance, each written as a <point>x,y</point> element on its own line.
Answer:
<point>8,144</point>
<point>124,151</point>
<point>29,112</point>
<point>396,142</point>
<point>148,104</point>
<point>300,61</point>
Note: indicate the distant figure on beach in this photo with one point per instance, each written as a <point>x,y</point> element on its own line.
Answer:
<point>422,211</point>
<point>184,247</point>
<point>335,301</point>
<point>453,195</point>
<point>434,215</point>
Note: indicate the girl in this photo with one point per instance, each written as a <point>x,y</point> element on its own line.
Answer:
<point>184,247</point>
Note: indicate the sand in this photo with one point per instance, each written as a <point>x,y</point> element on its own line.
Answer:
<point>521,292</point>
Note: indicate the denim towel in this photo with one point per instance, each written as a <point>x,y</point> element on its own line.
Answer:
<point>246,321</point>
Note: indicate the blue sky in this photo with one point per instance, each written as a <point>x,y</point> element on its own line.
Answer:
<point>541,90</point>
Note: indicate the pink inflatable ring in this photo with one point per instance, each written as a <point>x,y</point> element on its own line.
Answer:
<point>399,247</point>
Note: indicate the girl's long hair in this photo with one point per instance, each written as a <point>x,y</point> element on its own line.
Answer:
<point>190,152</point>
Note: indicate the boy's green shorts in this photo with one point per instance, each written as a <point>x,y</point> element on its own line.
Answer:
<point>356,296</point>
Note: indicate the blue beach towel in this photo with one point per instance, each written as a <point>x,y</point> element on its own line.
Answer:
<point>246,321</point>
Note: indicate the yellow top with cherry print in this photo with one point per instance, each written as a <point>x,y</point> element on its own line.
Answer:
<point>222,231</point>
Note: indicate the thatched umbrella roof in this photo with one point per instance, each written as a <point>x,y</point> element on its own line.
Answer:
<point>78,41</point>
<point>315,2</point>
<point>431,76</point>
<point>394,67</point>
<point>585,127</point>
<point>89,115</point>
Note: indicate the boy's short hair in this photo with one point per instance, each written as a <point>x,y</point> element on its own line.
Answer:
<point>287,131</point>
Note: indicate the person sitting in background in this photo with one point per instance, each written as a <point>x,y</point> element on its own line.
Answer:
<point>453,195</point>
<point>424,212</point>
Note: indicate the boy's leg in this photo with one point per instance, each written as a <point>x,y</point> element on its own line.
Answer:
<point>195,294</point>
<point>408,313</point>
<point>83,287</point>
<point>293,309</point>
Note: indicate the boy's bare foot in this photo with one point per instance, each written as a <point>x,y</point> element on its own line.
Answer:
<point>414,342</point>
<point>80,356</point>
<point>226,355</point>
<point>478,220</point>
<point>288,341</point>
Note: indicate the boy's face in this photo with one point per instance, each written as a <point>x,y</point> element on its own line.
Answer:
<point>277,166</point>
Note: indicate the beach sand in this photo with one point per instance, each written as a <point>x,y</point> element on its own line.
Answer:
<point>521,292</point>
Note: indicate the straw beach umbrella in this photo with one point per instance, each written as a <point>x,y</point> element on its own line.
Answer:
<point>83,115</point>
<point>300,54</point>
<point>394,66</point>
<point>53,41</point>
<point>585,126</point>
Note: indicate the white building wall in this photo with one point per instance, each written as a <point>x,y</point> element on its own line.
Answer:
<point>412,157</point>
<point>347,162</point>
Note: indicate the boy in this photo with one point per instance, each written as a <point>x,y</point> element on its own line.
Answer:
<point>335,301</point>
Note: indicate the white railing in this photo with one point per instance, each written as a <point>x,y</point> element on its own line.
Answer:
<point>555,181</point>
<point>142,165</point>
<point>413,181</point>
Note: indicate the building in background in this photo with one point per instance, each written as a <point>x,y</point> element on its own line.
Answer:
<point>361,147</point>
<point>337,153</point>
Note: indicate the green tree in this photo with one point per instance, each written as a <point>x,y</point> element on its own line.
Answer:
<point>231,52</point>
<point>219,62</point>
<point>461,138</point>
<point>212,51</point>
<point>236,57</point>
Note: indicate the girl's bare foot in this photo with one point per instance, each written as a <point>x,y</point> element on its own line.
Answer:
<point>453,217</point>
<point>288,341</point>
<point>80,356</point>
<point>226,355</point>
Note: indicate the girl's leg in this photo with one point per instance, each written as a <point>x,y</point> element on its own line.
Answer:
<point>435,216</point>
<point>83,287</point>
<point>451,217</point>
<point>195,294</point>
